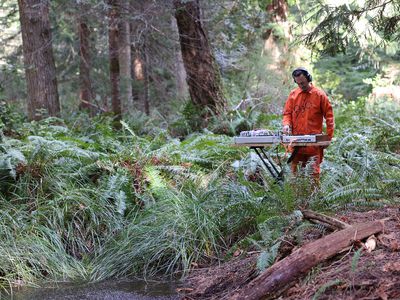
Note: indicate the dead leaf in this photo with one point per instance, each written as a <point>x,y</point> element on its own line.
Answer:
<point>237,252</point>
<point>344,219</point>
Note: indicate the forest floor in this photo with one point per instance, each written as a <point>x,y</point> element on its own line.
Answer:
<point>348,275</point>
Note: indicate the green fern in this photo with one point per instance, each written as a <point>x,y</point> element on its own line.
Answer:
<point>10,158</point>
<point>267,258</point>
<point>355,260</point>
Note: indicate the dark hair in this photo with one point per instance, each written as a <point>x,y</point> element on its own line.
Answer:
<point>301,70</point>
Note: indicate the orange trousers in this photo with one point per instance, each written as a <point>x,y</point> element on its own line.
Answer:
<point>304,156</point>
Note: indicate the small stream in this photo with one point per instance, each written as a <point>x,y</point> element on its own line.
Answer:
<point>109,290</point>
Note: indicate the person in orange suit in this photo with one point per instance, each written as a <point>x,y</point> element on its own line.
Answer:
<point>303,113</point>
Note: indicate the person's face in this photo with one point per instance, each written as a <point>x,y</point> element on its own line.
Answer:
<point>302,82</point>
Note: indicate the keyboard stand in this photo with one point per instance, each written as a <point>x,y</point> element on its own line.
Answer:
<point>269,164</point>
<point>258,144</point>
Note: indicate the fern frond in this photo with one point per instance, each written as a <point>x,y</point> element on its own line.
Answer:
<point>179,172</point>
<point>267,257</point>
<point>355,260</point>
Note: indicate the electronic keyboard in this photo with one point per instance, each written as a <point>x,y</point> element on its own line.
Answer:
<point>267,137</point>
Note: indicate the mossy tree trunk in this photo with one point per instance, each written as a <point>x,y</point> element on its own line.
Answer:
<point>202,74</point>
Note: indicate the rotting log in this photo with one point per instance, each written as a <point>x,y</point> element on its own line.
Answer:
<point>311,215</point>
<point>285,273</point>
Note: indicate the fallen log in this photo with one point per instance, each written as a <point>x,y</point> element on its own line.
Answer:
<point>311,215</point>
<point>285,273</point>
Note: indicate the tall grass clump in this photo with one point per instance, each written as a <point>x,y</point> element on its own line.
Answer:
<point>30,251</point>
<point>195,224</point>
<point>67,197</point>
<point>177,229</point>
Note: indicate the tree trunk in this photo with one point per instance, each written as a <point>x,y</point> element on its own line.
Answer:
<point>125,60</point>
<point>40,70</point>
<point>140,57</point>
<point>146,94</point>
<point>142,77</point>
<point>114,61</point>
<point>277,11</point>
<point>286,272</point>
<point>85,84</point>
<point>277,44</point>
<point>180,73</point>
<point>135,92</point>
<point>203,78</point>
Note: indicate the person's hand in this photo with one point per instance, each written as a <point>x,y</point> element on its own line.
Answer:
<point>286,129</point>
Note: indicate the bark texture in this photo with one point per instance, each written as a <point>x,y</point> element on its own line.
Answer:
<point>39,63</point>
<point>276,43</point>
<point>125,59</point>
<point>284,273</point>
<point>202,75</point>
<point>114,61</point>
<point>85,84</point>
<point>277,11</point>
<point>335,223</point>
<point>180,73</point>
<point>141,77</point>
<point>140,57</point>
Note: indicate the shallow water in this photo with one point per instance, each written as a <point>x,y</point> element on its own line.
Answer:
<point>118,289</point>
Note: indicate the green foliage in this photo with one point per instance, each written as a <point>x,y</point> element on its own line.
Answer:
<point>39,253</point>
<point>362,164</point>
<point>354,22</point>
<point>245,21</point>
<point>267,258</point>
<point>138,202</point>
<point>192,120</point>
<point>90,183</point>
<point>355,260</point>
<point>168,236</point>
<point>343,76</point>
<point>10,119</point>
<point>235,121</point>
<point>272,232</point>
<point>80,200</point>
<point>10,159</point>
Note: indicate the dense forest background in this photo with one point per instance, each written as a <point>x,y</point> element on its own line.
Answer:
<point>254,46</point>
<point>117,119</point>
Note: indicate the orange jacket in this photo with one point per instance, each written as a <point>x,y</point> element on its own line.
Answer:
<point>304,112</point>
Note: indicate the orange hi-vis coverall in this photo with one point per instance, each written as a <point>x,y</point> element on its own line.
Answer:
<point>304,113</point>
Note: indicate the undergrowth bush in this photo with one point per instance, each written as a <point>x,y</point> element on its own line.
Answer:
<point>97,203</point>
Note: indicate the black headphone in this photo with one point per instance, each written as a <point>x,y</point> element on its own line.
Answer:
<point>303,71</point>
